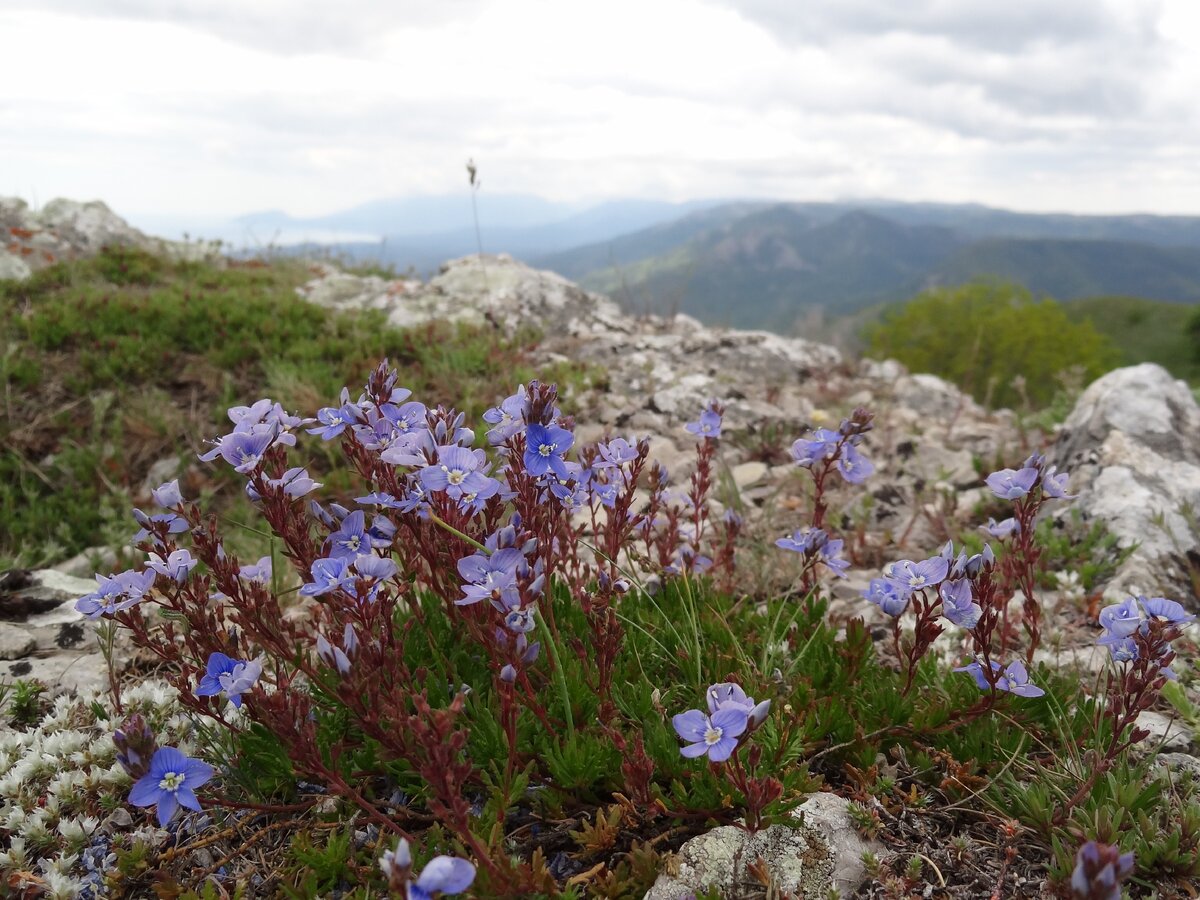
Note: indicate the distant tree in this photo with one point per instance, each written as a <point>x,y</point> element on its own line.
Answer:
<point>987,336</point>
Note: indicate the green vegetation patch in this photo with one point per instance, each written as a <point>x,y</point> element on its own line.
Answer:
<point>995,341</point>
<point>1146,330</point>
<point>112,363</point>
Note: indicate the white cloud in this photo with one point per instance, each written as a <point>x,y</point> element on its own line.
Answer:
<point>223,106</point>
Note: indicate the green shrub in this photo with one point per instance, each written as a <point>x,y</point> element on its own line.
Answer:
<point>984,335</point>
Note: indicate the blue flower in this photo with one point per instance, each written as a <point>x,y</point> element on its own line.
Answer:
<point>887,596</point>
<point>1167,610</point>
<point>244,450</point>
<point>457,472</point>
<point>855,467</point>
<point>167,495</point>
<point>329,575</point>
<point>804,540</point>
<point>115,593</point>
<point>441,875</point>
<point>615,454</point>
<point>715,735</point>
<point>492,578</point>
<point>260,571</point>
<point>170,783</point>
<point>1015,679</point>
<point>958,603</point>
<point>708,425</point>
<point>1012,484</point>
<point>1002,529</point>
<point>176,566</point>
<point>333,655</point>
<point>175,524</point>
<point>912,576</point>
<point>822,446</point>
<point>351,538</point>
<point>508,418</point>
<point>731,696</point>
<point>829,555</point>
<point>334,420</point>
<point>1055,485</point>
<point>545,446</point>
<point>229,676</point>
<point>1122,620</point>
<point>407,418</point>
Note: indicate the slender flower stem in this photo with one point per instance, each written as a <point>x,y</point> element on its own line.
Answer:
<point>560,677</point>
<point>442,523</point>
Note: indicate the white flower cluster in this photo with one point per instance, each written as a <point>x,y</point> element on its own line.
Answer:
<point>60,780</point>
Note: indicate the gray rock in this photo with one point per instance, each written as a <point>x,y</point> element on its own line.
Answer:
<point>65,654</point>
<point>15,642</point>
<point>1179,764</point>
<point>748,473</point>
<point>831,814</point>
<point>1132,446</point>
<point>12,267</point>
<point>928,395</point>
<point>78,673</point>
<point>822,852</point>
<point>933,462</point>
<point>66,229</point>
<point>87,226</point>
<point>1166,733</point>
<point>88,562</point>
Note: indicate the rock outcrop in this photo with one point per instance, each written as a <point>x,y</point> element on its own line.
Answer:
<point>45,639</point>
<point>822,853</point>
<point>66,229</point>
<point>1132,446</point>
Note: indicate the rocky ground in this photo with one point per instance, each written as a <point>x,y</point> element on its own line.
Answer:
<point>1131,444</point>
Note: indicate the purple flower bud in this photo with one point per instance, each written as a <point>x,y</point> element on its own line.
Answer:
<point>508,674</point>
<point>167,495</point>
<point>135,745</point>
<point>1099,871</point>
<point>758,714</point>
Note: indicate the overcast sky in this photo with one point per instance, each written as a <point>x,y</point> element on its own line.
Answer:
<point>215,107</point>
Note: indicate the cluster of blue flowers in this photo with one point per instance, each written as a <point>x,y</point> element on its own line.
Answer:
<point>816,543</point>
<point>837,447</point>
<point>1133,616</point>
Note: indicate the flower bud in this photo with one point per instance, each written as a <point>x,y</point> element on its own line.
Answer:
<point>135,745</point>
<point>758,715</point>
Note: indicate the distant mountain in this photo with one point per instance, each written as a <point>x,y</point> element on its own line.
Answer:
<point>422,232</point>
<point>772,265</point>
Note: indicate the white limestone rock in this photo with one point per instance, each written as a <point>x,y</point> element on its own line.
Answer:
<point>822,852</point>
<point>1132,446</point>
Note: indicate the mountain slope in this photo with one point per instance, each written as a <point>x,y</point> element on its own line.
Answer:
<point>771,265</point>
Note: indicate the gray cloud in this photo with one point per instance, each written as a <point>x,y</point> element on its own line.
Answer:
<point>281,27</point>
<point>987,25</point>
<point>1069,57</point>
